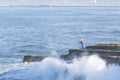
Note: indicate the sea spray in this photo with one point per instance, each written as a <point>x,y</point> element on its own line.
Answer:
<point>84,68</point>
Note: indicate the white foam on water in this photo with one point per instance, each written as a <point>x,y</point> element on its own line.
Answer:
<point>85,68</point>
<point>9,67</point>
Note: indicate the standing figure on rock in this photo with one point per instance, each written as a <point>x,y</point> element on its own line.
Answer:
<point>81,42</point>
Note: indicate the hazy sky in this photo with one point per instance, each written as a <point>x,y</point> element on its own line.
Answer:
<point>62,2</point>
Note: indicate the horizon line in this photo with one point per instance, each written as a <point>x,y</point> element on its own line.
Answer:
<point>55,6</point>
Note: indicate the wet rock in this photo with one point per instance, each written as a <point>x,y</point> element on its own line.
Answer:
<point>105,46</point>
<point>73,53</point>
<point>109,52</point>
<point>29,58</point>
<point>112,59</point>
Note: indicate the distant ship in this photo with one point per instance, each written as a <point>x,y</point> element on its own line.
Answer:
<point>26,6</point>
<point>44,6</point>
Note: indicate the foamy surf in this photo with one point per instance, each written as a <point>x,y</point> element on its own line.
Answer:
<point>85,68</point>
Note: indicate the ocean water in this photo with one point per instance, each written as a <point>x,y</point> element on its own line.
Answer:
<point>52,31</point>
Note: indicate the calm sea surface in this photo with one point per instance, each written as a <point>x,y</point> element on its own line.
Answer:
<point>51,31</point>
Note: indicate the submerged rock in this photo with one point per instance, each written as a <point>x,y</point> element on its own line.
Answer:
<point>109,52</point>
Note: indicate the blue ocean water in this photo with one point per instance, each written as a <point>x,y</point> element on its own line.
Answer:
<point>51,31</point>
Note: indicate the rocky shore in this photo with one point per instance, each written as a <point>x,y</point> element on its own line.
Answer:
<point>110,52</point>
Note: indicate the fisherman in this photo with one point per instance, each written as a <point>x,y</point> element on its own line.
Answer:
<point>81,42</point>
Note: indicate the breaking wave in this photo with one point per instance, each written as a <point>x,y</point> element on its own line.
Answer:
<point>85,68</point>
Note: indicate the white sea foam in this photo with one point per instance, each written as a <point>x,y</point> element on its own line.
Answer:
<point>85,68</point>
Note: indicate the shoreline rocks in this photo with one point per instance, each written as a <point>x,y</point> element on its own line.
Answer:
<point>110,52</point>
<point>29,58</point>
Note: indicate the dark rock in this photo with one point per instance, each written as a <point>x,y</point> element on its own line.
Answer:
<point>109,52</point>
<point>112,59</point>
<point>108,46</point>
<point>105,51</point>
<point>33,58</point>
<point>73,53</point>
